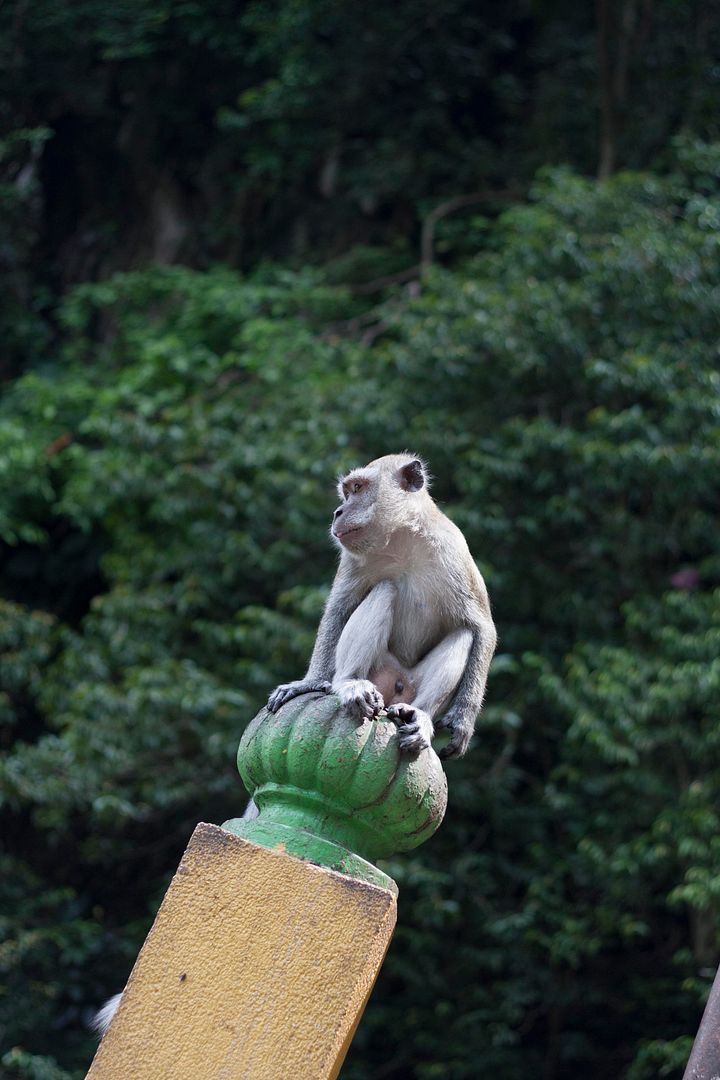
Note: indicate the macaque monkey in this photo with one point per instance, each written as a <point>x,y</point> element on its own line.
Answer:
<point>407,626</point>
<point>408,605</point>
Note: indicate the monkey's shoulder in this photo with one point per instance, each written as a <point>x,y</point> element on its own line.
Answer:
<point>458,573</point>
<point>451,546</point>
<point>444,527</point>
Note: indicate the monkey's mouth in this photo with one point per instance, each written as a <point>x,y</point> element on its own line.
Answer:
<point>342,536</point>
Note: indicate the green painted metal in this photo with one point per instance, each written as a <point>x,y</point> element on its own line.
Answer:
<point>335,791</point>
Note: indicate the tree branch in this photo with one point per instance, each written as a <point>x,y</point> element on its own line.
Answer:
<point>427,238</point>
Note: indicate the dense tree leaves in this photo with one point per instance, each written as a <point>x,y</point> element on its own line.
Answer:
<point>563,381</point>
<point>152,131</point>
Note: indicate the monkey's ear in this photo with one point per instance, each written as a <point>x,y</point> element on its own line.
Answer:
<point>413,476</point>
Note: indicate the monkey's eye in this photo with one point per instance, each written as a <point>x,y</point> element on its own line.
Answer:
<point>353,487</point>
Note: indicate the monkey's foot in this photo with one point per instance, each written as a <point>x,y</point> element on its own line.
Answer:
<point>415,728</point>
<point>461,731</point>
<point>287,691</point>
<point>359,698</point>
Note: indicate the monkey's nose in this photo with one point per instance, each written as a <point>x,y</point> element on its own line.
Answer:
<point>337,513</point>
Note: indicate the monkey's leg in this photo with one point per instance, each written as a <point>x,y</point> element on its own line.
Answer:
<point>436,676</point>
<point>462,712</point>
<point>363,641</point>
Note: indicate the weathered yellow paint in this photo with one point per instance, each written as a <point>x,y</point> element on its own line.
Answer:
<point>258,967</point>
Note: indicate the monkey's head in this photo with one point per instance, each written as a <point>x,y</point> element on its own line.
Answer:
<point>390,493</point>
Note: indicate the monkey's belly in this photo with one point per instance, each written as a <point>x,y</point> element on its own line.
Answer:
<point>419,620</point>
<point>410,647</point>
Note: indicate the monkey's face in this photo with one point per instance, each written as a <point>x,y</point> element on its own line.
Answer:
<point>354,521</point>
<point>377,501</point>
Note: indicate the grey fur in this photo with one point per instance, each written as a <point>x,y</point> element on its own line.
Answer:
<point>407,588</point>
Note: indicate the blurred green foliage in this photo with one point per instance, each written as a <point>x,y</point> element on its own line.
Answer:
<point>165,489</point>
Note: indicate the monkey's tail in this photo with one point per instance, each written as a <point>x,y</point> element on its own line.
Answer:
<point>103,1017</point>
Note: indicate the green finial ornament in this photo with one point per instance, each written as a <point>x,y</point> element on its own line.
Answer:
<point>336,791</point>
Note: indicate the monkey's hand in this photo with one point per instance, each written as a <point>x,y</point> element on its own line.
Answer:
<point>415,728</point>
<point>359,697</point>
<point>287,691</point>
<point>461,727</point>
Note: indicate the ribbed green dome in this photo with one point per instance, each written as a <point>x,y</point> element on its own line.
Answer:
<point>337,791</point>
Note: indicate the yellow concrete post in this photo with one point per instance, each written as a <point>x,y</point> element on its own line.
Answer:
<point>258,967</point>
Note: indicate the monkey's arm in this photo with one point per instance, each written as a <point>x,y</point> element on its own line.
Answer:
<point>362,642</point>
<point>341,603</point>
<point>460,717</point>
<point>318,677</point>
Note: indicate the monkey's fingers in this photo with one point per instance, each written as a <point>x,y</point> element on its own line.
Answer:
<point>286,692</point>
<point>278,698</point>
<point>375,700</point>
<point>360,709</point>
<point>413,737</point>
<point>415,728</point>
<point>360,698</point>
<point>401,714</point>
<point>370,704</point>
